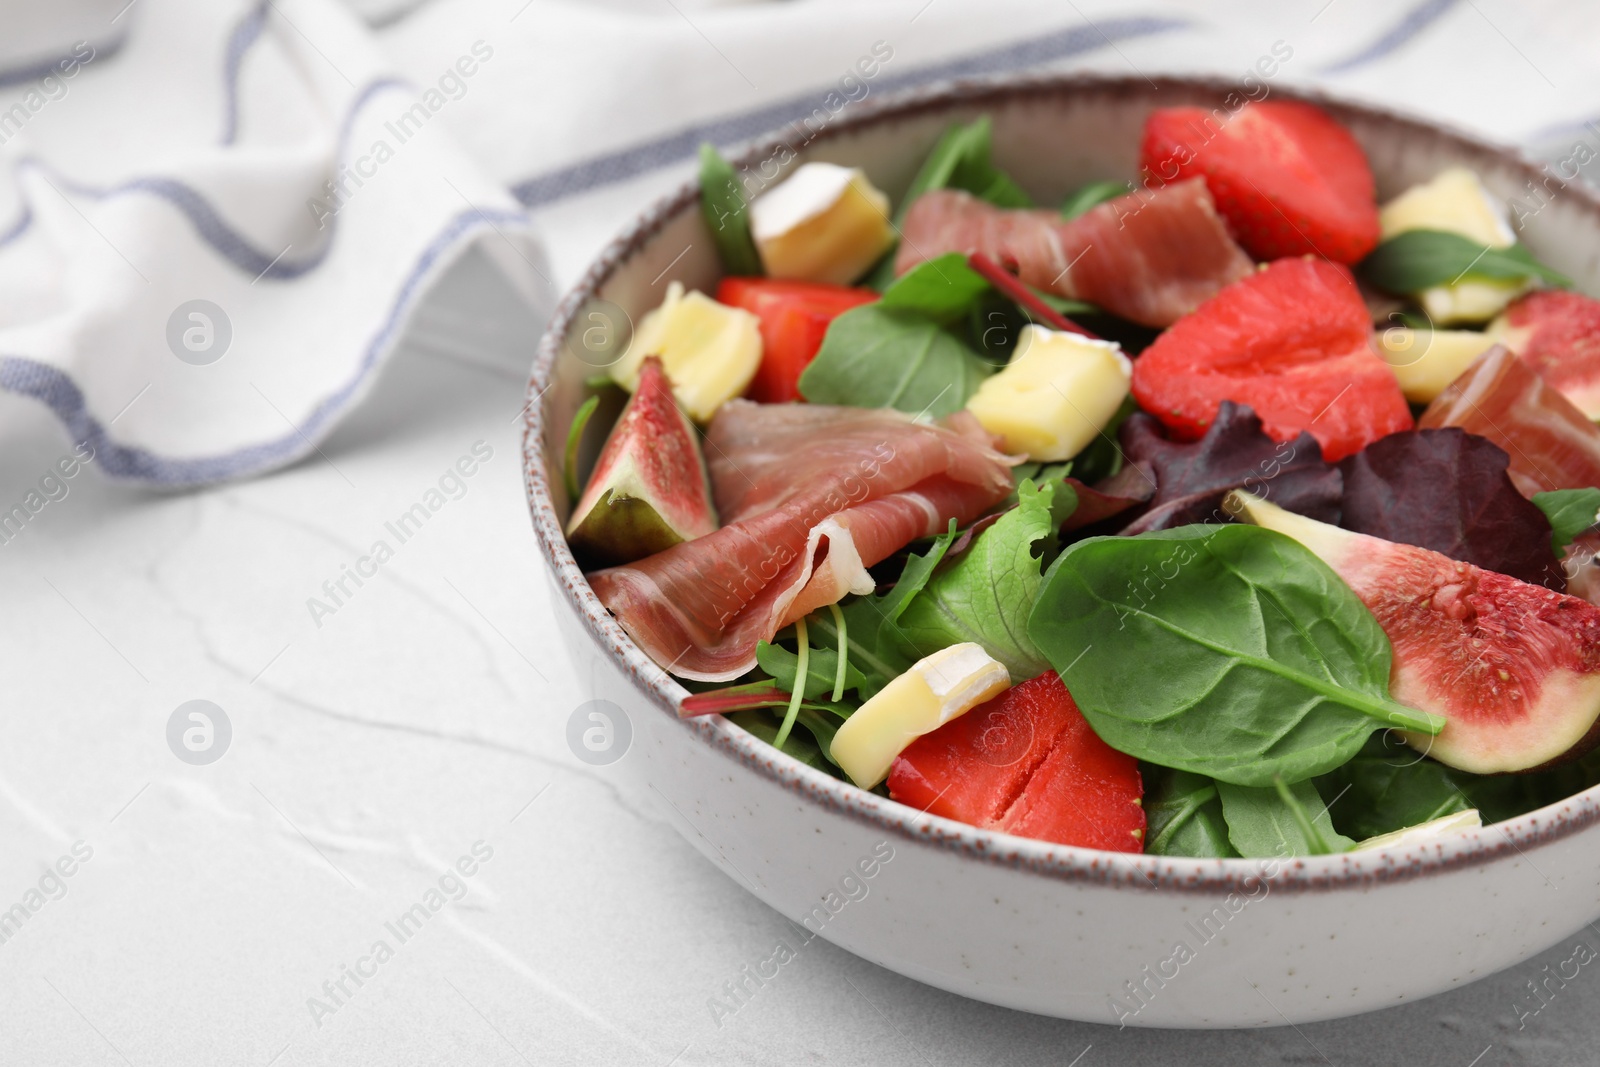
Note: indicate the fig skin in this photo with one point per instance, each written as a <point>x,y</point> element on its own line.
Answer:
<point>649,489</point>
<point>1513,668</point>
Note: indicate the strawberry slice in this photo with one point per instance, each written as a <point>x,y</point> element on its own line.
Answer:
<point>1293,341</point>
<point>794,319</point>
<point>1026,763</point>
<point>1287,177</point>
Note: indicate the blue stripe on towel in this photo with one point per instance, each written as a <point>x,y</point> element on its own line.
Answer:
<point>207,221</point>
<point>245,34</point>
<point>1400,34</point>
<point>640,158</point>
<point>56,389</point>
<point>35,70</point>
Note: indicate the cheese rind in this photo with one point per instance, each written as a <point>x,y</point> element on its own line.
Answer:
<point>1430,832</point>
<point>824,223</point>
<point>936,689</point>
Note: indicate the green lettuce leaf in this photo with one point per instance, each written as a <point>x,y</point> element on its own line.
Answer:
<point>986,593</point>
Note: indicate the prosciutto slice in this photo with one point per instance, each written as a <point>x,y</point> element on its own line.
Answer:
<point>1552,445</point>
<point>810,497</point>
<point>1151,256</point>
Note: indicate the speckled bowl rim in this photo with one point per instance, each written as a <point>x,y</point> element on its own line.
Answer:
<point>1501,841</point>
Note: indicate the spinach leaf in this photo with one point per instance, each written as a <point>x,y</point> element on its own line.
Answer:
<point>727,214</point>
<point>1504,796</point>
<point>943,289</point>
<point>985,593</point>
<point>1415,260</point>
<point>1448,490</point>
<point>1570,511</point>
<point>1279,820</point>
<point>875,357</point>
<point>1183,815</point>
<point>822,665</point>
<point>959,160</point>
<point>1230,651</point>
<point>1388,787</point>
<point>1092,195</point>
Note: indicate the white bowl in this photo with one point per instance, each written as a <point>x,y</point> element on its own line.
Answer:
<point>1070,932</point>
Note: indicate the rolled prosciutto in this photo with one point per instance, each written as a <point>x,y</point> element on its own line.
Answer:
<point>810,497</point>
<point>1151,256</point>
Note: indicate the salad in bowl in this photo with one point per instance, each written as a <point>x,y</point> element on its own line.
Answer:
<point>1223,511</point>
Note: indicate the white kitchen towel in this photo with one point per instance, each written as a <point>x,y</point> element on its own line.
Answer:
<point>215,216</point>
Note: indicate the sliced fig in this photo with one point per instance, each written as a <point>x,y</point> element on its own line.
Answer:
<point>1557,333</point>
<point>649,490</point>
<point>1513,668</point>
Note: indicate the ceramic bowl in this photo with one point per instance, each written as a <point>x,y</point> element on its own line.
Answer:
<point>1069,932</point>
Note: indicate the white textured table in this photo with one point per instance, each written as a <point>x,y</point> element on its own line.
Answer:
<point>230,913</point>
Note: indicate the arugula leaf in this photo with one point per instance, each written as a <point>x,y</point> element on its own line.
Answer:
<point>1230,651</point>
<point>875,357</point>
<point>1092,195</point>
<point>943,289</point>
<point>569,466</point>
<point>813,753</point>
<point>871,621</point>
<point>1448,490</point>
<point>822,665</point>
<point>726,213</point>
<point>1184,817</point>
<point>1570,511</point>
<point>959,160</point>
<point>1388,787</point>
<point>985,594</point>
<point>1063,305</point>
<point>1192,478</point>
<point>1279,820</point>
<point>1415,260</point>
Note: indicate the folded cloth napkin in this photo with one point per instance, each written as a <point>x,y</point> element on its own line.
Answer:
<point>215,215</point>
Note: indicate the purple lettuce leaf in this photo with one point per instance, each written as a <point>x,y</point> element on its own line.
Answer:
<point>1448,490</point>
<point>1191,478</point>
